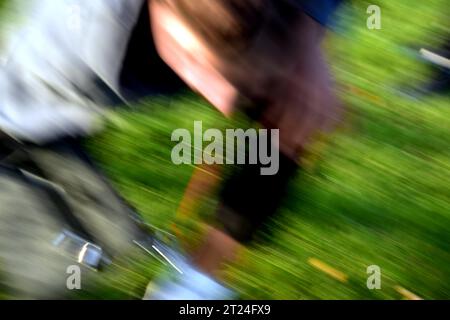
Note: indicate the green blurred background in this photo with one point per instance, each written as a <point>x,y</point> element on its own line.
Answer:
<point>378,193</point>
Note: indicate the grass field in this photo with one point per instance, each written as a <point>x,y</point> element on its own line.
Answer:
<point>378,194</point>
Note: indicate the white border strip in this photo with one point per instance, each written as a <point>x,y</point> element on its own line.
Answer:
<point>435,58</point>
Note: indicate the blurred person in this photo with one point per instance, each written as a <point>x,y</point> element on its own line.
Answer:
<point>65,66</point>
<point>76,58</point>
<point>263,58</point>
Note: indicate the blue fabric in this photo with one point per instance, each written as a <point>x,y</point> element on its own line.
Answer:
<point>320,10</point>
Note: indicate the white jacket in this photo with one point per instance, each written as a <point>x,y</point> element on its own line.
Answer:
<point>58,66</point>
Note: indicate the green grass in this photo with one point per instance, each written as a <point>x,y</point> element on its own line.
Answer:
<point>378,195</point>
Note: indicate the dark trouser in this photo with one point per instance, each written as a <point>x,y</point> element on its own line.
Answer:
<point>32,215</point>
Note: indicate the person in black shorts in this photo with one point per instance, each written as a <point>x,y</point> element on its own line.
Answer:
<point>264,59</point>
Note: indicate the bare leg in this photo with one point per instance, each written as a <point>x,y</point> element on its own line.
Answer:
<point>217,249</point>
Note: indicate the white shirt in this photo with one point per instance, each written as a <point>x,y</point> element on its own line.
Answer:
<point>52,83</point>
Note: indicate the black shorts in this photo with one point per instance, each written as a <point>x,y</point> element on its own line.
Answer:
<point>248,199</point>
